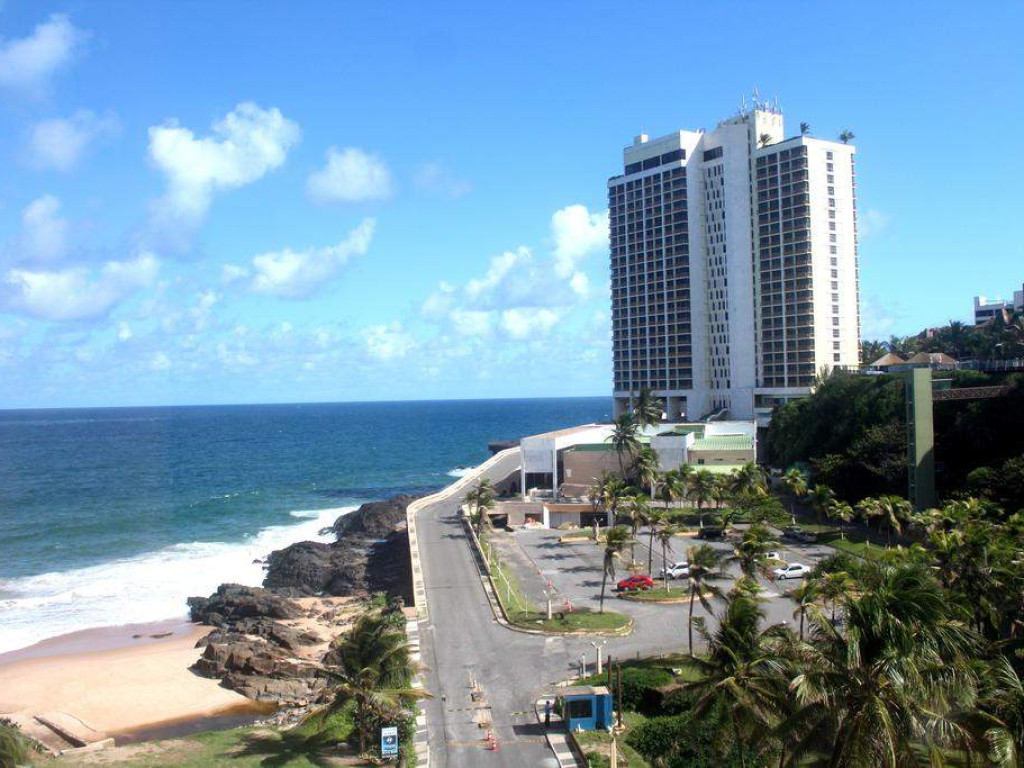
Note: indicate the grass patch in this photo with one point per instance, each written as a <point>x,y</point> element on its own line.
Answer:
<point>659,594</point>
<point>243,747</point>
<point>577,621</point>
<point>597,744</point>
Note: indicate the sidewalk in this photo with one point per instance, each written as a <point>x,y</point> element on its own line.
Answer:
<point>557,738</point>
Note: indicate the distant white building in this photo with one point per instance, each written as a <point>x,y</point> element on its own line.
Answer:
<point>986,309</point>
<point>733,266</point>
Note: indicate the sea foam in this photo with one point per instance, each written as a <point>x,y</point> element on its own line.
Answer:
<point>146,587</point>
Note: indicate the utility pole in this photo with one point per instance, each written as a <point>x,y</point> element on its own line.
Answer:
<point>598,645</point>
<point>618,691</point>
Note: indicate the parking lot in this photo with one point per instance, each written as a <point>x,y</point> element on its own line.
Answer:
<point>574,570</point>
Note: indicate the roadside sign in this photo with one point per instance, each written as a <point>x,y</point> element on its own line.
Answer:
<point>389,741</point>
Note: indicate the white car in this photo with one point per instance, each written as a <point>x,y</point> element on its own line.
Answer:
<point>680,570</point>
<point>792,571</point>
<point>774,556</point>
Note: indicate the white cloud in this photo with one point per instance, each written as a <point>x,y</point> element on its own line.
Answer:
<point>160,362</point>
<point>872,222</point>
<point>74,294</point>
<point>28,63</point>
<point>200,311</point>
<point>232,273</point>
<point>245,145</point>
<point>124,332</point>
<point>297,274</point>
<point>437,179</point>
<point>469,322</point>
<point>580,284</point>
<point>60,143</point>
<point>577,233</point>
<point>522,324</point>
<point>387,342</point>
<point>351,175</point>
<point>43,231</point>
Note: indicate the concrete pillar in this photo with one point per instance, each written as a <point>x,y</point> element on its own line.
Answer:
<point>522,475</point>
<point>554,472</point>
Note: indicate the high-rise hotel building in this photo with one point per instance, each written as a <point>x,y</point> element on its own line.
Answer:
<point>733,266</point>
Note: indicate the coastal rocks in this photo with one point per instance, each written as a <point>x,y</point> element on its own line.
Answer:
<point>374,520</point>
<point>232,603</point>
<point>370,555</point>
<point>256,669</point>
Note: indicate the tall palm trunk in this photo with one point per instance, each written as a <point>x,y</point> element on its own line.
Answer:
<point>650,551</point>
<point>664,560</point>
<point>690,627</point>
<point>604,583</point>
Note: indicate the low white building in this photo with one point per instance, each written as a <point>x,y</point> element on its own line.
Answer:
<point>718,445</point>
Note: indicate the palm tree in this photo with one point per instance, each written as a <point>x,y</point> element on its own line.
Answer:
<point>673,486</point>
<point>742,679</point>
<point>894,510</point>
<point>892,682</point>
<point>646,469</point>
<point>805,128</point>
<point>846,136</point>
<point>664,535</point>
<point>656,520</point>
<point>701,490</point>
<point>796,486</point>
<point>615,541</point>
<point>704,563</point>
<point>834,587</point>
<point>820,497</point>
<point>371,665</point>
<point>637,511</point>
<point>624,439</point>
<point>764,139</point>
<point>867,509</point>
<point>15,749</point>
<point>806,597</point>
<point>613,490</point>
<point>648,409</point>
<point>1004,701</point>
<point>841,511</point>
<point>481,498</point>
<point>750,553</point>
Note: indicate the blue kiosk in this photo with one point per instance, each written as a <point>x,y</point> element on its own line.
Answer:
<point>587,708</point>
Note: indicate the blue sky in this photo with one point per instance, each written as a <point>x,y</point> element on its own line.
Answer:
<point>253,202</point>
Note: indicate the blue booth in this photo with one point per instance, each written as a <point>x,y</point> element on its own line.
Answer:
<point>587,708</point>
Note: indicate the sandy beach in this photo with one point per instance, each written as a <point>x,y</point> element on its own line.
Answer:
<point>116,679</point>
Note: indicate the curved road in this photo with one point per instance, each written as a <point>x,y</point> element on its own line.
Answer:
<point>462,642</point>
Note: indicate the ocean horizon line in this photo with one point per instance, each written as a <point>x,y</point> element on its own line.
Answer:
<point>51,408</point>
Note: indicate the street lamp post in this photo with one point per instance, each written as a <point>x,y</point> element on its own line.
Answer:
<point>598,645</point>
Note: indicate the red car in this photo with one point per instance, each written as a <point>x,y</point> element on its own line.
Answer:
<point>636,583</point>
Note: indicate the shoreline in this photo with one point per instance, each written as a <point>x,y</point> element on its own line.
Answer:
<point>115,684</point>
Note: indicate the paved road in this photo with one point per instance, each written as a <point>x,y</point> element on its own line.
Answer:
<point>463,643</point>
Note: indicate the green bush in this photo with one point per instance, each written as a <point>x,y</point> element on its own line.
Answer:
<point>15,749</point>
<point>685,741</point>
<point>638,684</point>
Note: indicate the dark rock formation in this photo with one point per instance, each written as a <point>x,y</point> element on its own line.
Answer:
<point>253,651</point>
<point>370,555</point>
<point>374,520</point>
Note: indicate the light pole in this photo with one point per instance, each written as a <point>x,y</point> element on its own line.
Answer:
<point>548,594</point>
<point>583,665</point>
<point>598,645</point>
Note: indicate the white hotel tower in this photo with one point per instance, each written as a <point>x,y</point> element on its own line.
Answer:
<point>733,266</point>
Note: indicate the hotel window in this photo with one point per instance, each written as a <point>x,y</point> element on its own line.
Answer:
<point>835,358</point>
<point>831,190</point>
<point>835,273</point>
<point>832,249</point>
<point>829,167</point>
<point>831,202</point>
<point>832,226</point>
<point>835,333</point>
<point>828,155</point>
<point>831,238</point>
<point>835,286</point>
<point>835,345</point>
<point>831,179</point>
<point>835,321</point>
<point>832,214</point>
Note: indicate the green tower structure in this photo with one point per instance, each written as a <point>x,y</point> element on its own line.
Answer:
<point>920,438</point>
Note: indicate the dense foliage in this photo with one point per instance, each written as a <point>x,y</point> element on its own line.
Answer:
<point>1000,339</point>
<point>852,432</point>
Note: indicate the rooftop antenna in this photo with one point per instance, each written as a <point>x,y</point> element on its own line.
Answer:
<point>756,98</point>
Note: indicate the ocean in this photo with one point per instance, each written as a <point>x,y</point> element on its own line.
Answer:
<point>114,516</point>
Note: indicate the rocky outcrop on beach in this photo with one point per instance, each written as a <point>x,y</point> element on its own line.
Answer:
<point>371,554</point>
<point>269,643</point>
